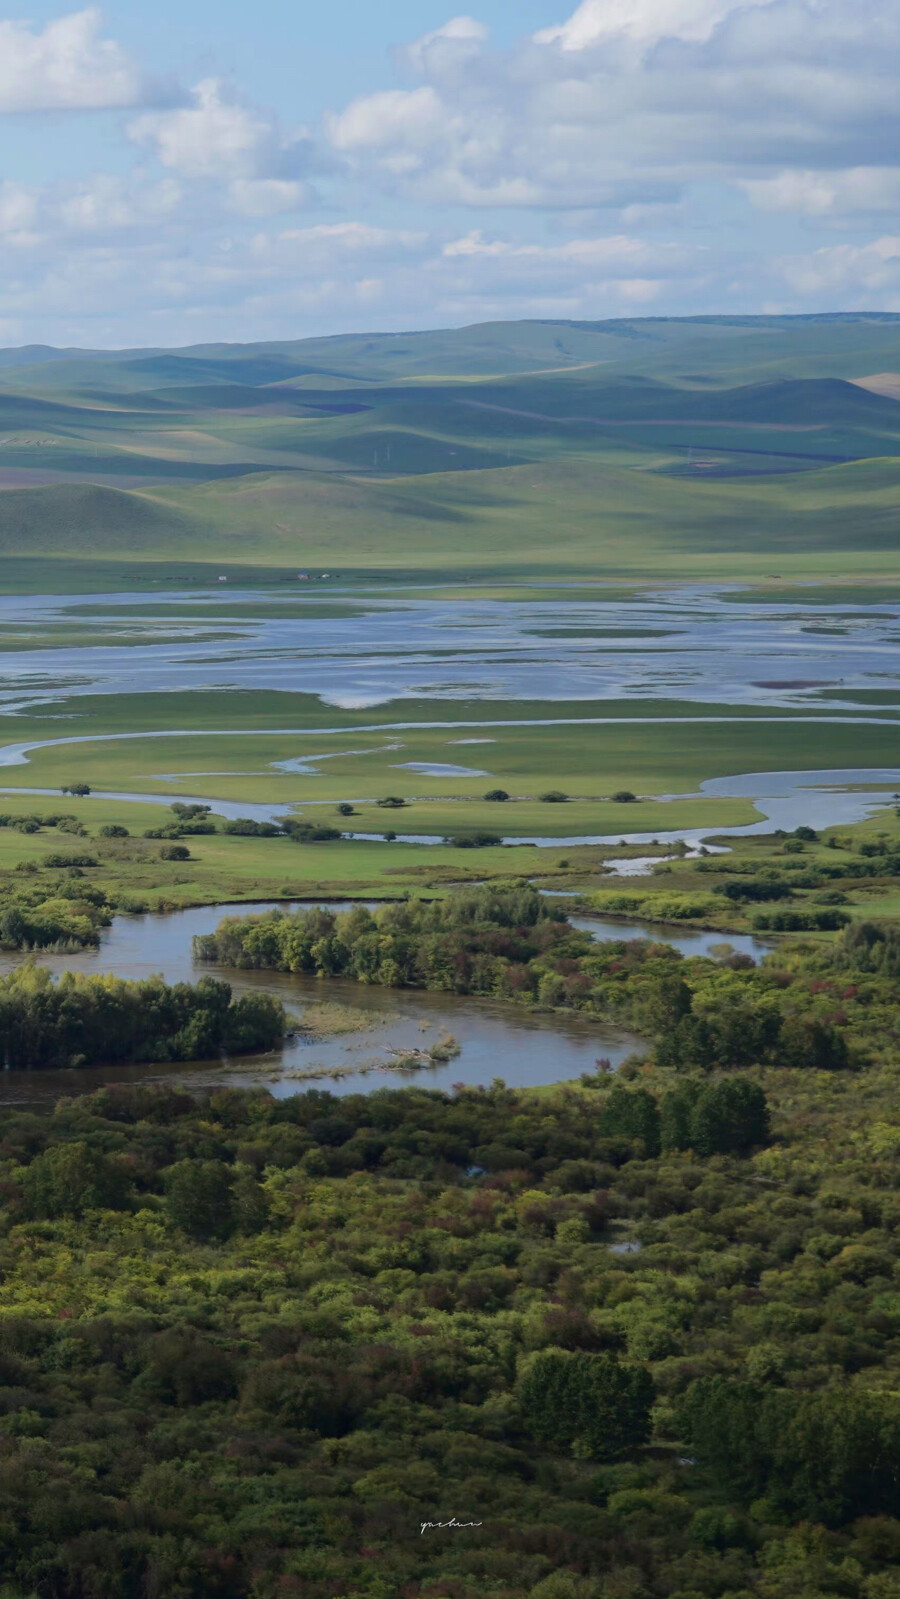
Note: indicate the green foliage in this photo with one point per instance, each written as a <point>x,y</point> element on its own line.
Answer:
<point>246,827</point>
<point>591,1404</point>
<point>729,1117</point>
<point>199,1199</point>
<point>82,1019</point>
<point>249,1345</point>
<point>68,1179</point>
<point>823,1457</point>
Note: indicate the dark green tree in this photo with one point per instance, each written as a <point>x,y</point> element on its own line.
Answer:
<point>594,1405</point>
<point>199,1199</point>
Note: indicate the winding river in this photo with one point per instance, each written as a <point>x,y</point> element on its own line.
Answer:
<point>526,1049</point>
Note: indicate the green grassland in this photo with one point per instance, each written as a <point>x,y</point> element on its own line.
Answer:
<point>224,868</point>
<point>683,448</point>
<point>363,755</point>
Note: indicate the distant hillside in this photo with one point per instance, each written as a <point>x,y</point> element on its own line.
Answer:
<point>72,519</point>
<point>694,444</point>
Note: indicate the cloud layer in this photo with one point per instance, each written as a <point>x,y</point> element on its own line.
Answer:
<point>674,155</point>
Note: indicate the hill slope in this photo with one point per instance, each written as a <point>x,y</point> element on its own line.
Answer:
<point>700,444</point>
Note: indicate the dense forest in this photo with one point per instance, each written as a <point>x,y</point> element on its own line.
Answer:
<point>618,1343</point>
<point>630,1338</point>
<point>94,1020</point>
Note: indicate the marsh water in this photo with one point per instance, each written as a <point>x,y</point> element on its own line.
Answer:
<point>703,643</point>
<point>496,1040</point>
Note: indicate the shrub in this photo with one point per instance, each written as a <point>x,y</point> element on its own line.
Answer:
<point>113,830</point>
<point>553,796</point>
<point>496,795</point>
<point>174,852</point>
<point>391,802</point>
<point>246,827</point>
<point>624,796</point>
<point>477,840</point>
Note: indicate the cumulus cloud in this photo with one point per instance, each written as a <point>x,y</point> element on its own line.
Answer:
<point>645,21</point>
<point>827,194</point>
<point>632,97</point>
<point>865,270</point>
<point>594,168</point>
<point>66,66</point>
<point>217,136</point>
<point>447,51</point>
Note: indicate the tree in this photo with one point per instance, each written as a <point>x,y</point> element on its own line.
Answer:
<point>624,796</point>
<point>827,1456</point>
<point>496,795</point>
<point>594,1405</point>
<point>806,1041</point>
<point>80,789</point>
<point>729,1118</point>
<point>199,1199</point>
<point>344,809</point>
<point>68,1179</point>
<point>631,1114</point>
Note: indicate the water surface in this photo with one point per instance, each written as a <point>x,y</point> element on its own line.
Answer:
<point>695,642</point>
<point>526,1049</point>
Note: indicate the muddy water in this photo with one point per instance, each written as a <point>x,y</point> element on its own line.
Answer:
<point>523,1048</point>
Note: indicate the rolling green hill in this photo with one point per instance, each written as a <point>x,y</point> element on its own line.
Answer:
<point>707,446</point>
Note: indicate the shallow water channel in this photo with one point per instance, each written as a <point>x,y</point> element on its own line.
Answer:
<point>526,1049</point>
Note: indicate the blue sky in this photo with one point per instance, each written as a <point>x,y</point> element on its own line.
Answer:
<point>213,170</point>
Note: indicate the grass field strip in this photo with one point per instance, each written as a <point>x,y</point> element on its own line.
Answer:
<point>823,798</point>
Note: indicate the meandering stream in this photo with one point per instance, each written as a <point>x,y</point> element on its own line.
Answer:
<point>525,1048</point>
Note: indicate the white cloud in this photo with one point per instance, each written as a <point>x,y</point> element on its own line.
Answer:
<point>396,119</point>
<point>66,66</point>
<point>827,194</point>
<point>599,166</point>
<point>863,270</point>
<point>218,137</point>
<point>106,204</point>
<point>447,51</point>
<point>644,21</point>
<point>264,197</point>
<point>632,101</point>
<point>18,211</point>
